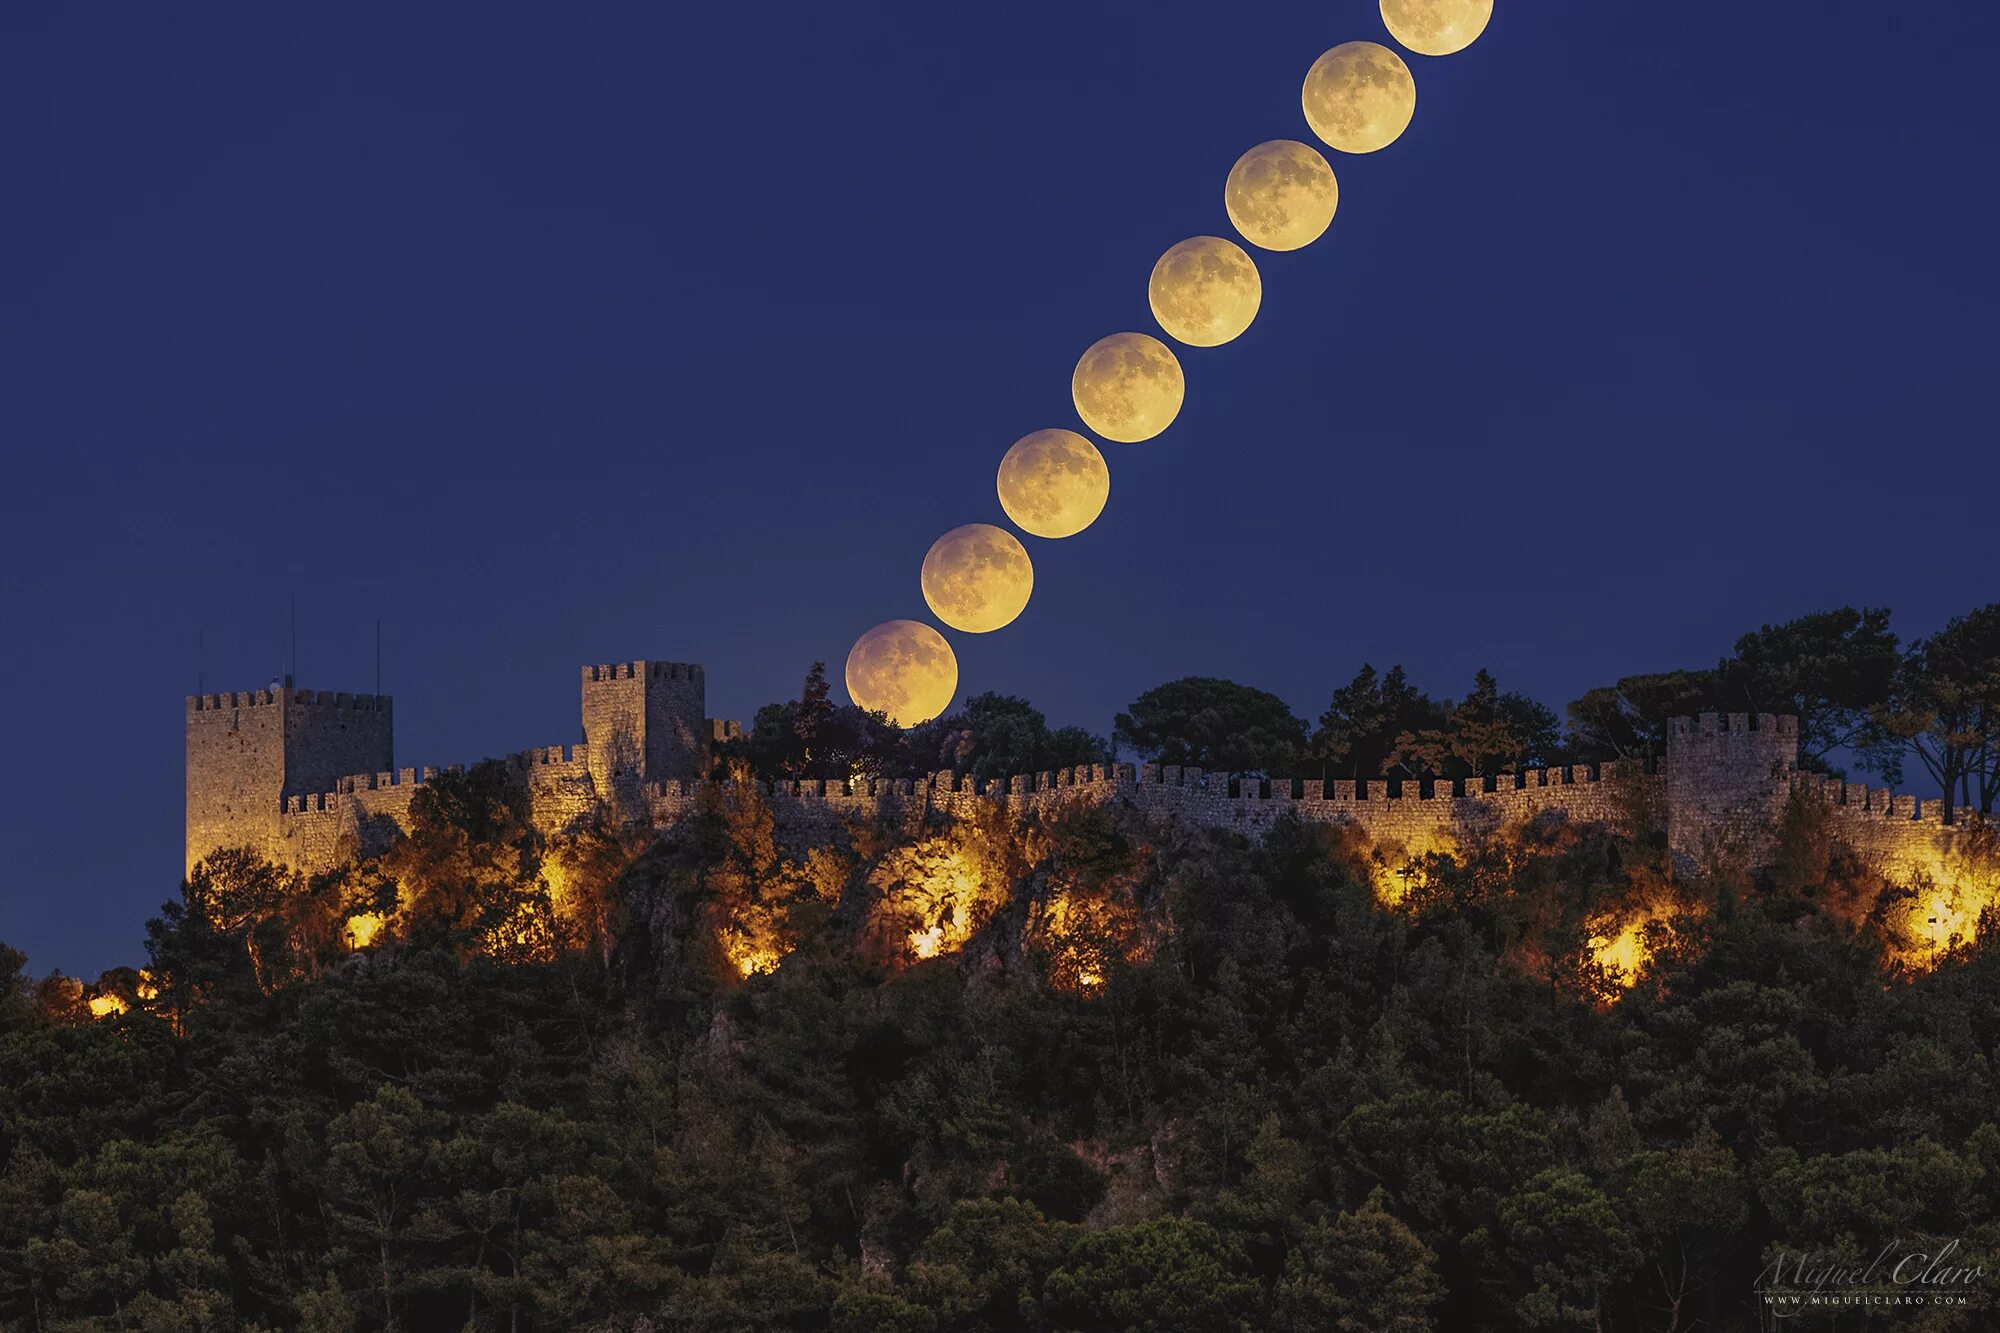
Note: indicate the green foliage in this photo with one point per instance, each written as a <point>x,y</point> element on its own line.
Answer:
<point>1170,1275</point>
<point>998,736</point>
<point>1364,1272</point>
<point>1213,724</point>
<point>1282,1107</point>
<point>1830,670</point>
<point>1944,708</point>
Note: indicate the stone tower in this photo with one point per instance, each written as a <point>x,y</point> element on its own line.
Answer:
<point>1727,783</point>
<point>643,722</point>
<point>249,750</point>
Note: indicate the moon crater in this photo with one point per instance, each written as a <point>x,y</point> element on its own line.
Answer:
<point>1128,387</point>
<point>1281,195</point>
<point>904,669</point>
<point>1205,291</point>
<point>1053,483</point>
<point>977,578</point>
<point>1359,97</point>
<point>1436,27</point>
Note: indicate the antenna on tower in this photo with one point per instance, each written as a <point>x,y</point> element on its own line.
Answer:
<point>378,657</point>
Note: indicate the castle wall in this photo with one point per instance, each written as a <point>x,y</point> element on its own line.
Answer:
<point>1900,836</point>
<point>235,770</point>
<point>1442,818</point>
<point>330,736</point>
<point>644,722</point>
<point>261,772</point>
<point>1727,778</point>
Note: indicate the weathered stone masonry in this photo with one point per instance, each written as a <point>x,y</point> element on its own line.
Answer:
<point>306,778</point>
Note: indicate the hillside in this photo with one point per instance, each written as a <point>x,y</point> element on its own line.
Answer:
<point>1093,1072</point>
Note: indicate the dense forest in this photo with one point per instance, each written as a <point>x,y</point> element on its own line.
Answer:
<point>1084,1074</point>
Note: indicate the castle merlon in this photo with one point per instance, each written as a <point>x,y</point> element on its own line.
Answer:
<point>369,703</point>
<point>314,785</point>
<point>642,669</point>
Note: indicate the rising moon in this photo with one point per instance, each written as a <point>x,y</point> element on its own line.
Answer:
<point>1281,195</point>
<point>977,578</point>
<point>1436,27</point>
<point>1359,97</point>
<point>1205,291</point>
<point>902,668</point>
<point>1128,387</point>
<point>1053,483</point>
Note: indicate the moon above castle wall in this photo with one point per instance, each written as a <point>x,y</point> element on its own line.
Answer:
<point>1359,97</point>
<point>978,578</point>
<point>1281,195</point>
<point>1128,387</point>
<point>1205,291</point>
<point>904,669</point>
<point>1053,483</point>
<point>1436,27</point>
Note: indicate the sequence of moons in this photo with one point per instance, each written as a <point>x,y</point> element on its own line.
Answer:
<point>1281,195</point>
<point>1205,291</point>
<point>1053,483</point>
<point>903,669</point>
<point>1128,387</point>
<point>1436,27</point>
<point>1359,97</point>
<point>977,578</point>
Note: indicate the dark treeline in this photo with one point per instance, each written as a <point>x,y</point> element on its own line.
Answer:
<point>1277,1106</point>
<point>1857,691</point>
<point>1165,1081</point>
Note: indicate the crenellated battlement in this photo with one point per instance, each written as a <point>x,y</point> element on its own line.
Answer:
<point>296,782</point>
<point>642,670</point>
<point>1857,800</point>
<point>233,699</point>
<point>356,783</point>
<point>1733,724</point>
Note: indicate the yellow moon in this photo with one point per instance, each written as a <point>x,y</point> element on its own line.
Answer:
<point>1281,195</point>
<point>977,578</point>
<point>902,668</point>
<point>1128,387</point>
<point>1436,27</point>
<point>1359,97</point>
<point>1205,291</point>
<point>1053,483</point>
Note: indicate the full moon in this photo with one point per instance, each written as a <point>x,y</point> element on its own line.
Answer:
<point>1281,195</point>
<point>1205,291</point>
<point>1053,483</point>
<point>902,668</point>
<point>1436,27</point>
<point>1128,387</point>
<point>977,578</point>
<point>1359,97</point>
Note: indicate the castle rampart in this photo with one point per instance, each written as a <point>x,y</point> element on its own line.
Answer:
<point>260,774</point>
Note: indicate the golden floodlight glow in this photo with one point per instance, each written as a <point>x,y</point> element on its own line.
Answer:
<point>1281,195</point>
<point>362,928</point>
<point>1436,27</point>
<point>1128,387</point>
<point>1053,483</point>
<point>904,669</point>
<point>977,578</point>
<point>1359,97</point>
<point>1205,291</point>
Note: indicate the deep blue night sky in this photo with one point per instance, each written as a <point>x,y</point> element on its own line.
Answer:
<point>558,334</point>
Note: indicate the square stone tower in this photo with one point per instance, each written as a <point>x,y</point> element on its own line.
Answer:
<point>249,750</point>
<point>1728,778</point>
<point>644,722</point>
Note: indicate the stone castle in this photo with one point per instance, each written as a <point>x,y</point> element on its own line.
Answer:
<point>309,779</point>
